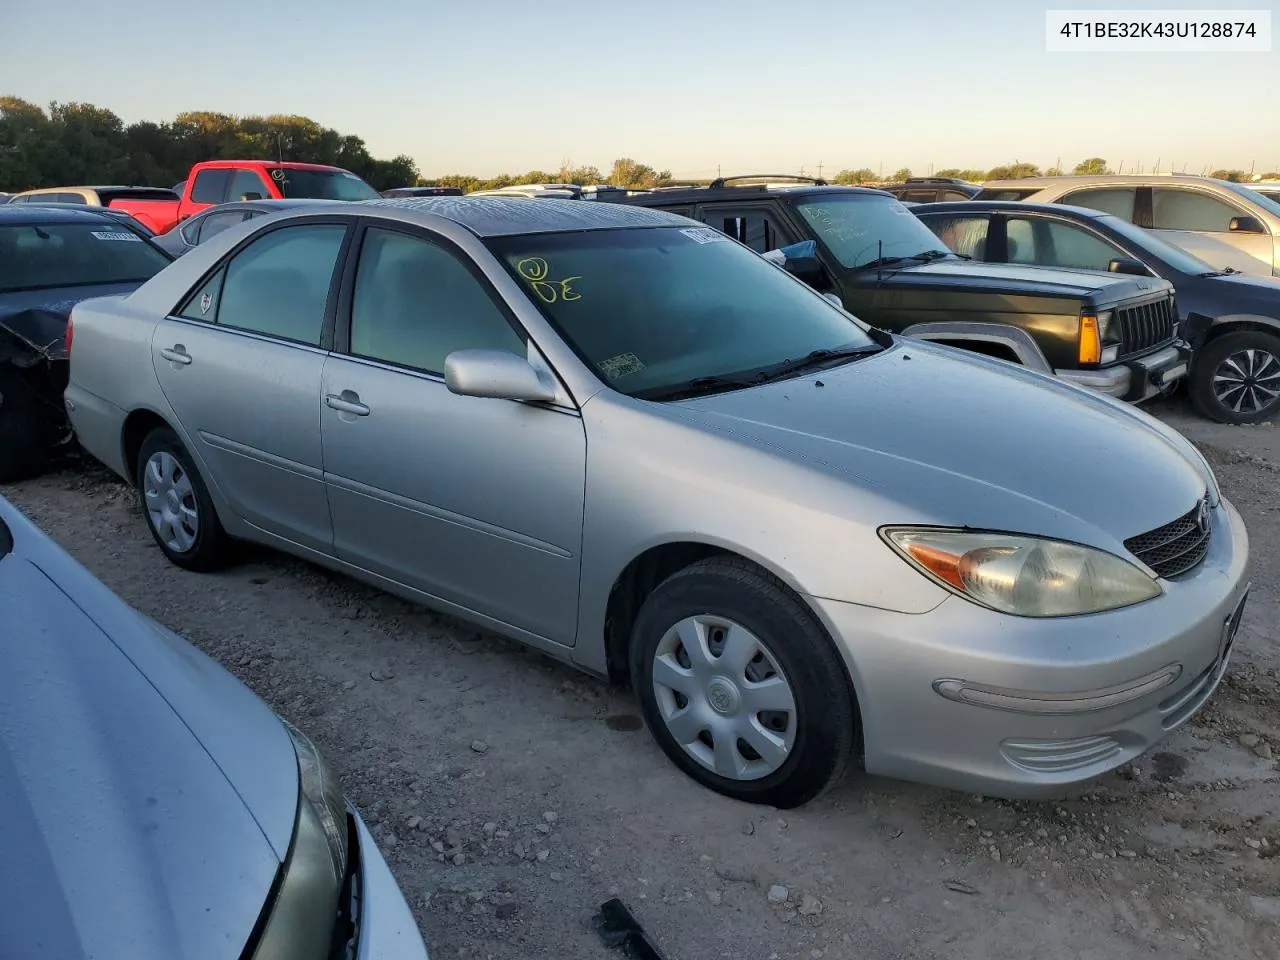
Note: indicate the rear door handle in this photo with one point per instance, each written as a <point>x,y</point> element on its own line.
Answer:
<point>347,402</point>
<point>176,354</point>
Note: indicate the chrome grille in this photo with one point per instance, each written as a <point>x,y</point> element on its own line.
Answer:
<point>1144,327</point>
<point>1176,547</point>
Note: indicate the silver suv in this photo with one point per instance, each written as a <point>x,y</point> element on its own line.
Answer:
<point>1226,224</point>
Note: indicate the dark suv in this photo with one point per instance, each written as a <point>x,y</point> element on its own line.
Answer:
<point>1116,333</point>
<point>932,189</point>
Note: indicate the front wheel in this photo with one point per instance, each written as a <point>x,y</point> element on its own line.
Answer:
<point>741,687</point>
<point>176,504</point>
<point>1236,378</point>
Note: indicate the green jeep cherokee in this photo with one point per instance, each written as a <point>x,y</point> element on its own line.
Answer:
<point>1117,333</point>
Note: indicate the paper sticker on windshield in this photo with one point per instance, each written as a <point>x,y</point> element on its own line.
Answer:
<point>350,176</point>
<point>900,210</point>
<point>623,365</point>
<point>704,234</point>
<point>124,236</point>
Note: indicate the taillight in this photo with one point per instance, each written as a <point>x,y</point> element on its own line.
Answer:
<point>71,329</point>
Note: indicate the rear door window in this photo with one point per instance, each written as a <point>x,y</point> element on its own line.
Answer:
<point>1117,201</point>
<point>279,285</point>
<point>965,234</point>
<point>755,227</point>
<point>210,186</point>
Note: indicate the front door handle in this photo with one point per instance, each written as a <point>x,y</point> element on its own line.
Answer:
<point>346,402</point>
<point>176,354</point>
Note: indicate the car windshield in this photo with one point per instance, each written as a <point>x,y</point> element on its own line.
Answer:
<point>37,256</point>
<point>322,185</point>
<point>654,308</point>
<point>862,229</point>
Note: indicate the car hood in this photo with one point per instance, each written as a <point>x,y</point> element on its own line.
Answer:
<point>1017,279</point>
<point>127,831</point>
<point>38,318</point>
<point>949,438</point>
<point>1249,293</point>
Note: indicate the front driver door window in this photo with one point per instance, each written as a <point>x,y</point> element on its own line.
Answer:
<point>1064,244</point>
<point>240,363</point>
<point>476,502</point>
<point>1200,222</point>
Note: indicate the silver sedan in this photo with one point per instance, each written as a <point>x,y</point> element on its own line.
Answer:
<point>618,436</point>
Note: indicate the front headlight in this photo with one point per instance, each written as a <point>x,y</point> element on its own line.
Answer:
<point>302,919</point>
<point>1020,575</point>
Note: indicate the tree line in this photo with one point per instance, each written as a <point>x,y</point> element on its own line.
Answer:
<point>68,144</point>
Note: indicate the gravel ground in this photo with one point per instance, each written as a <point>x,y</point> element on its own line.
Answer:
<point>512,796</point>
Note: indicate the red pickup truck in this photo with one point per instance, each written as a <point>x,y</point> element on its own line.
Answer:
<point>211,183</point>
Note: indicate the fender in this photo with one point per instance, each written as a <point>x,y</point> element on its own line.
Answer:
<point>1022,344</point>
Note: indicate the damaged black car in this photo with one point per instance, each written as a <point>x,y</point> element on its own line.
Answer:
<point>50,260</point>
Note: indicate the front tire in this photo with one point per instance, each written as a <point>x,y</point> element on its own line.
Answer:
<point>741,686</point>
<point>176,504</point>
<point>1235,378</point>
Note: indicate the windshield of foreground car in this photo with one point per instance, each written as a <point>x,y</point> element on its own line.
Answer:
<point>35,256</point>
<point>860,228</point>
<point>322,185</point>
<point>655,308</point>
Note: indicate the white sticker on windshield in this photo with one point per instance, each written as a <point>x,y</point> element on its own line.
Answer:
<point>899,209</point>
<point>350,176</point>
<point>704,234</point>
<point>623,365</point>
<point>112,235</point>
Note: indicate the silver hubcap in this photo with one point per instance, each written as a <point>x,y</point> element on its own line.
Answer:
<point>1248,381</point>
<point>724,698</point>
<point>171,502</point>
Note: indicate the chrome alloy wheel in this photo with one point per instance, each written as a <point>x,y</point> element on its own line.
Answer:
<point>171,501</point>
<point>724,697</point>
<point>1247,381</point>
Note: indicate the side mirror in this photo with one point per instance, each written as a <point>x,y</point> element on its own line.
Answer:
<point>251,195</point>
<point>1128,265</point>
<point>833,299</point>
<point>496,374</point>
<point>1246,225</point>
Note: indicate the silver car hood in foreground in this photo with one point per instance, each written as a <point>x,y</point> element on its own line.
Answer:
<point>960,440</point>
<point>129,764</point>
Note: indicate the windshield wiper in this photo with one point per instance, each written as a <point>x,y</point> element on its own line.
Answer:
<point>697,387</point>
<point>1224,272</point>
<point>925,256</point>
<point>814,359</point>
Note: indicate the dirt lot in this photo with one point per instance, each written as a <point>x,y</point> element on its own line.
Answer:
<point>512,796</point>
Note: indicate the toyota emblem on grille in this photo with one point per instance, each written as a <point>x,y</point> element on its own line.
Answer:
<point>1202,516</point>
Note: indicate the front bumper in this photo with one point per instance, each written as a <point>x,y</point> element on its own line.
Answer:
<point>1097,674</point>
<point>385,928</point>
<point>1138,379</point>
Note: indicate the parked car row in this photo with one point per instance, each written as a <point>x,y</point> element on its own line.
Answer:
<point>617,434</point>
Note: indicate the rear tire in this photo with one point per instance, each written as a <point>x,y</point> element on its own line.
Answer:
<point>741,686</point>
<point>1237,369</point>
<point>176,504</point>
<point>25,438</point>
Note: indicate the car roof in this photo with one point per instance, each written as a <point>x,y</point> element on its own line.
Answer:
<point>112,186</point>
<point>510,215</point>
<point>18,214</point>
<point>281,203</point>
<point>286,164</point>
<point>749,191</point>
<point>1116,178</point>
<point>1013,206</point>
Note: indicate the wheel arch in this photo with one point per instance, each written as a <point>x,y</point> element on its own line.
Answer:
<point>137,425</point>
<point>984,338</point>
<point>1240,323</point>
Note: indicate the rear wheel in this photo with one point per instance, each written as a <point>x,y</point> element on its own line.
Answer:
<point>1235,378</point>
<point>740,686</point>
<point>176,504</point>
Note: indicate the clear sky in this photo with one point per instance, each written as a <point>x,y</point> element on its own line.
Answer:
<point>490,86</point>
